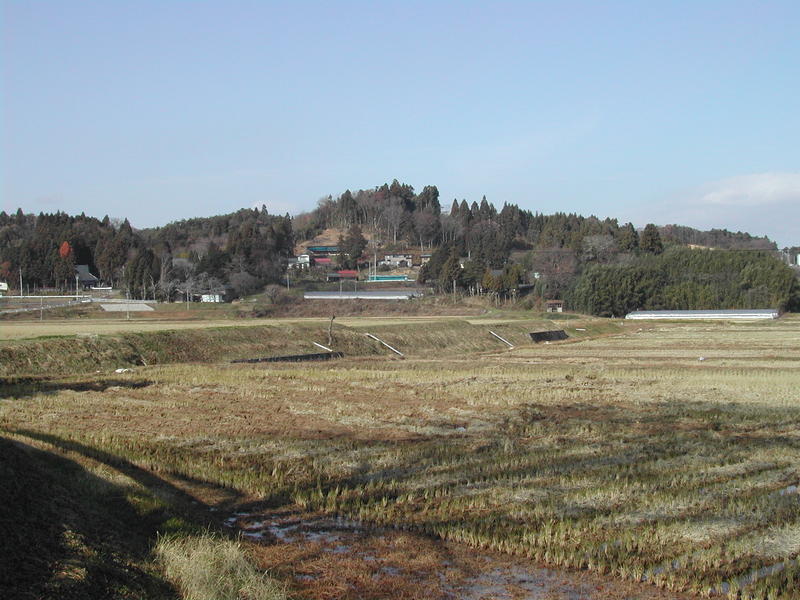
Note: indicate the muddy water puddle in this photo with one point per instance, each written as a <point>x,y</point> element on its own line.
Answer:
<point>330,558</point>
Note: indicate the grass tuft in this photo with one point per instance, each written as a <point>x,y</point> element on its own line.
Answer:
<point>209,567</point>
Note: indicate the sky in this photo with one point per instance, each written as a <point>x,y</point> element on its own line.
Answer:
<point>664,112</point>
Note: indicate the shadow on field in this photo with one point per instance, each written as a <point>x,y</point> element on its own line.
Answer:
<point>66,533</point>
<point>159,486</point>
<point>20,387</point>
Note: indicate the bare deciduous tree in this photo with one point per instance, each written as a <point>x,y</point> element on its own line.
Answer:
<point>393,214</point>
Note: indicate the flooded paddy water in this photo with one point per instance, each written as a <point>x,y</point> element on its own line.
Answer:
<point>331,557</point>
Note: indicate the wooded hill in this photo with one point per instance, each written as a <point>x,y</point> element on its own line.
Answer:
<point>241,251</point>
<point>502,251</point>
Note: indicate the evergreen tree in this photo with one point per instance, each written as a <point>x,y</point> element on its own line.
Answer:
<point>453,209</point>
<point>352,247</point>
<point>628,240</point>
<point>450,273</point>
<point>650,241</point>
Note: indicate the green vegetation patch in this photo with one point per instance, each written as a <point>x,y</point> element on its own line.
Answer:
<point>684,279</point>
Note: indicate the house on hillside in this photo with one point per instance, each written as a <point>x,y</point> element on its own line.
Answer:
<point>554,306</point>
<point>397,260</point>
<point>85,279</point>
<point>3,287</point>
<point>418,259</point>
<point>302,261</point>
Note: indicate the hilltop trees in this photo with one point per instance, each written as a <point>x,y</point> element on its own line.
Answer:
<point>650,240</point>
<point>559,251</point>
<point>241,250</point>
<point>627,238</point>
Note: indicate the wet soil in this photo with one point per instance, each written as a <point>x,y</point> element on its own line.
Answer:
<point>327,558</point>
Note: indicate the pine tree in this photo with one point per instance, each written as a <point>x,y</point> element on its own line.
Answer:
<point>650,241</point>
<point>352,246</point>
<point>451,272</point>
<point>628,240</point>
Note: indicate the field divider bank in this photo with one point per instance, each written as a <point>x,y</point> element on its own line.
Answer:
<point>85,354</point>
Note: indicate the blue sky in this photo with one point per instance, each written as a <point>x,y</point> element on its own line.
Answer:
<point>670,112</point>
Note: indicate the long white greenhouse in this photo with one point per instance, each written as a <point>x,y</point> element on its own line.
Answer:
<point>738,315</point>
<point>362,295</point>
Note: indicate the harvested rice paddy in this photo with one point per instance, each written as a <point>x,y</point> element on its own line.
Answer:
<point>662,460</point>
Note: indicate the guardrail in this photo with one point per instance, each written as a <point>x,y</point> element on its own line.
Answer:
<point>44,306</point>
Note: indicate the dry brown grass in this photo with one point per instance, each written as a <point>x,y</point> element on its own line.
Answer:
<point>208,567</point>
<point>626,449</point>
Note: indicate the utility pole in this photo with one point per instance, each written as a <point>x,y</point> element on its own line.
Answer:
<point>20,282</point>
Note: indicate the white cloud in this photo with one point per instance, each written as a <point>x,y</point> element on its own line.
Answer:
<point>758,189</point>
<point>758,203</point>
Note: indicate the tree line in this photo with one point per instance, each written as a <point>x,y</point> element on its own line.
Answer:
<point>239,252</point>
<point>479,248</point>
<point>686,279</point>
<point>473,246</point>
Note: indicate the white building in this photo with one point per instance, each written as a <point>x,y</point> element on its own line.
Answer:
<point>303,261</point>
<point>397,260</point>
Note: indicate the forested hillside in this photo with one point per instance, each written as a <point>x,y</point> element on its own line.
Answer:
<point>399,215</point>
<point>597,265</point>
<point>46,248</point>
<point>241,251</point>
